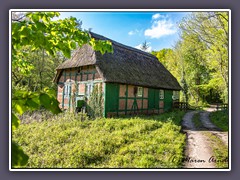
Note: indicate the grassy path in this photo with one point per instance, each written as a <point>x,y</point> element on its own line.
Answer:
<point>204,117</point>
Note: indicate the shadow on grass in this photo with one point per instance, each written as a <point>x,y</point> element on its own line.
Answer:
<point>174,116</point>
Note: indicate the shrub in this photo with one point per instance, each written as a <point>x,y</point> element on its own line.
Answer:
<point>138,142</point>
<point>220,119</point>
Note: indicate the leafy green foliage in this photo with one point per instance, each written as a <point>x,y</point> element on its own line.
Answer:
<point>220,151</point>
<point>102,46</point>
<point>207,33</point>
<point>23,101</point>
<point>138,142</point>
<point>199,60</point>
<point>95,104</point>
<point>37,31</point>
<point>19,158</point>
<point>220,119</point>
<point>15,122</point>
<point>42,72</point>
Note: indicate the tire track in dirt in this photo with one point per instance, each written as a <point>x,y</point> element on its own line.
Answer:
<point>204,117</point>
<point>198,152</point>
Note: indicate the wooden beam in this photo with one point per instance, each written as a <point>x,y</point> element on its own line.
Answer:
<point>126,99</point>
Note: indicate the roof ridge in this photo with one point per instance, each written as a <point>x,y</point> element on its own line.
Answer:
<point>101,37</point>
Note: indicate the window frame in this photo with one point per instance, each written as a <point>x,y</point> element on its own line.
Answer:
<point>88,90</point>
<point>161,94</point>
<point>139,91</point>
<point>67,89</point>
<point>176,95</point>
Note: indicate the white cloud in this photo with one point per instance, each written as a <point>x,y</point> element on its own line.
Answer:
<point>149,49</point>
<point>160,28</point>
<point>156,16</point>
<point>133,32</point>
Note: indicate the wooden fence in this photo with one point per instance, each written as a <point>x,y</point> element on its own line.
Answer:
<point>182,106</point>
<point>221,107</point>
<point>186,106</point>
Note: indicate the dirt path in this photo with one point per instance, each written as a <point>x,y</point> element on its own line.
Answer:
<point>204,117</point>
<point>198,151</point>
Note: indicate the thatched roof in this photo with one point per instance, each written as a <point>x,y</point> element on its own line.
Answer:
<point>125,65</point>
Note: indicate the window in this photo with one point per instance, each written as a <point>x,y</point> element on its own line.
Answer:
<point>140,92</point>
<point>161,94</point>
<point>88,89</point>
<point>175,95</point>
<point>67,89</point>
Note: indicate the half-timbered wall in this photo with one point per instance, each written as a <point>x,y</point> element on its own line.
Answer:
<point>119,99</point>
<point>122,99</point>
<point>74,83</point>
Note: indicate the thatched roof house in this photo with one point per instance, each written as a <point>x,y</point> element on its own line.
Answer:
<point>125,66</point>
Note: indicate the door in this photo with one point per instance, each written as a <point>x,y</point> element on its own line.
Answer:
<point>112,97</point>
<point>168,100</point>
<point>153,98</point>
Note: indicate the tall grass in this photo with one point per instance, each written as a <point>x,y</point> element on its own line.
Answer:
<point>220,119</point>
<point>197,122</point>
<point>220,151</point>
<point>138,142</point>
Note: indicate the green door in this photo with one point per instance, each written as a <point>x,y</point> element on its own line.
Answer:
<point>156,98</point>
<point>153,98</point>
<point>168,100</point>
<point>112,97</point>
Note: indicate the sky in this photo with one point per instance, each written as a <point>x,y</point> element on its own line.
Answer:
<point>158,29</point>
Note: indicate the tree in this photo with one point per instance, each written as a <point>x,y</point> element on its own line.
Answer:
<point>199,60</point>
<point>211,28</point>
<point>144,46</point>
<point>37,32</point>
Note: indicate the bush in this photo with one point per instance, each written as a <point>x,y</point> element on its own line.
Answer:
<point>220,119</point>
<point>138,142</point>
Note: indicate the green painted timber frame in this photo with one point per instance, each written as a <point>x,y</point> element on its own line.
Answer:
<point>111,100</point>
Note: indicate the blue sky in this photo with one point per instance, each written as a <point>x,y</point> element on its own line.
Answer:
<point>158,29</point>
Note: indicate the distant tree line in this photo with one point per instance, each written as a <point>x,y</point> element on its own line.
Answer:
<point>199,60</point>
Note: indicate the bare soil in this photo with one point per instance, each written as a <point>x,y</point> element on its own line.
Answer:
<point>198,151</point>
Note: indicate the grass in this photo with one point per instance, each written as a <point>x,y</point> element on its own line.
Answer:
<point>220,119</point>
<point>220,151</point>
<point>138,142</point>
<point>197,122</point>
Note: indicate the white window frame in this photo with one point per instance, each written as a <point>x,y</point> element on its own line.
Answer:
<point>161,94</point>
<point>67,89</point>
<point>88,89</point>
<point>176,95</point>
<point>140,92</point>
